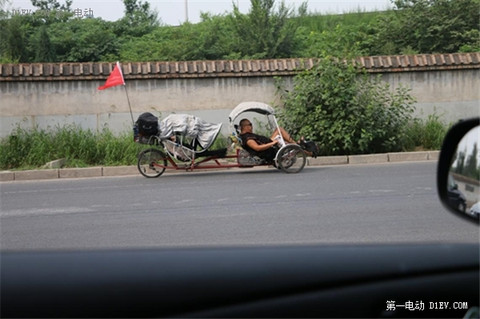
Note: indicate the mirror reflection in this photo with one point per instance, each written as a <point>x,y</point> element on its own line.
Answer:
<point>464,178</point>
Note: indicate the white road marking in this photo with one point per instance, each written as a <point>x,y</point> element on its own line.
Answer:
<point>44,211</point>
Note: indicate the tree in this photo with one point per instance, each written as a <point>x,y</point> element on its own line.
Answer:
<point>472,166</point>
<point>50,11</point>
<point>14,34</point>
<point>164,44</point>
<point>216,37</point>
<point>138,20</point>
<point>460,160</point>
<point>264,33</point>
<point>84,40</point>
<point>212,39</point>
<point>341,41</point>
<point>51,5</point>
<point>428,26</point>
<point>44,51</point>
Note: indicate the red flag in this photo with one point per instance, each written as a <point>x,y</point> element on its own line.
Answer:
<point>115,78</point>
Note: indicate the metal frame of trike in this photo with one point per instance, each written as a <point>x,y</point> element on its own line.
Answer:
<point>290,158</point>
<point>152,162</point>
<point>192,165</point>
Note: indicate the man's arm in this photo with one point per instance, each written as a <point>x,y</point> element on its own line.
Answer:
<point>260,147</point>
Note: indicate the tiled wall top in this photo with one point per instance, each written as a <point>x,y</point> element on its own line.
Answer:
<point>228,68</point>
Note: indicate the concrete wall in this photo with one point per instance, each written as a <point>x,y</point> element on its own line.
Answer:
<point>451,93</point>
<point>61,102</point>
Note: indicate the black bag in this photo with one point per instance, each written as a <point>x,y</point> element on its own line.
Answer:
<point>147,125</point>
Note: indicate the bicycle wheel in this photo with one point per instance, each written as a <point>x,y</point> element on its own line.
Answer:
<point>291,158</point>
<point>151,162</point>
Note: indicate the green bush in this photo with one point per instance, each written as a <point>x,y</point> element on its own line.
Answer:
<point>337,105</point>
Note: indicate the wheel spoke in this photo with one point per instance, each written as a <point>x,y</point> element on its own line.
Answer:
<point>291,158</point>
<point>151,163</point>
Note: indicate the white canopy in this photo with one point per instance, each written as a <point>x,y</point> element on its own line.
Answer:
<point>257,107</point>
<point>190,126</point>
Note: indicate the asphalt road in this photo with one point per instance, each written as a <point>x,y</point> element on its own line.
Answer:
<point>386,203</point>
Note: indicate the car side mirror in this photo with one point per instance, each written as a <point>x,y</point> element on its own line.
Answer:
<point>458,173</point>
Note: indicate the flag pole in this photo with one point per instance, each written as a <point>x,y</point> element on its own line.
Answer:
<point>129,106</point>
<point>126,91</point>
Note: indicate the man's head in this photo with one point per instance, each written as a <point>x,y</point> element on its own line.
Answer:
<point>245,126</point>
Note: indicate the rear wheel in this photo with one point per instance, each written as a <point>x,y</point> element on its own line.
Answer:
<point>291,158</point>
<point>151,162</point>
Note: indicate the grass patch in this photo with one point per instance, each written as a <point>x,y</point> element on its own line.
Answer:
<point>425,134</point>
<point>32,149</point>
<point>25,149</point>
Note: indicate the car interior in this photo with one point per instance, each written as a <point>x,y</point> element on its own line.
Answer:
<point>438,280</point>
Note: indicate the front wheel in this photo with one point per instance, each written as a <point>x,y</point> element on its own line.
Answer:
<point>151,162</point>
<point>291,158</point>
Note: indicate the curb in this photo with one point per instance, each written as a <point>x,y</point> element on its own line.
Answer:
<point>42,174</point>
